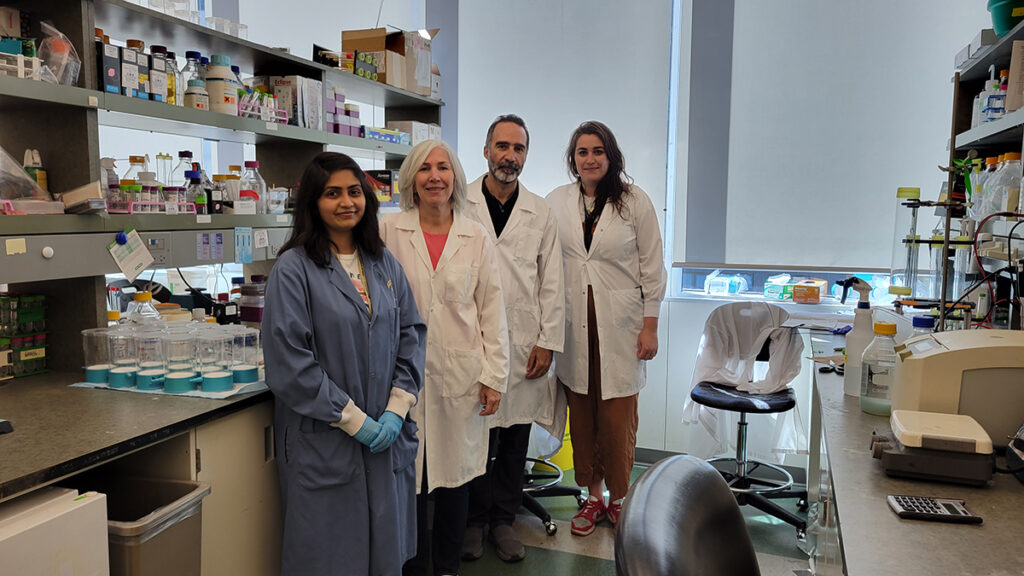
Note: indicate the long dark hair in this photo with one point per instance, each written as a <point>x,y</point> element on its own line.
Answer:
<point>616,183</point>
<point>309,231</point>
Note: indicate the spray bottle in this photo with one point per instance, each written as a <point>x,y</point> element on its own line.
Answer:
<point>858,338</point>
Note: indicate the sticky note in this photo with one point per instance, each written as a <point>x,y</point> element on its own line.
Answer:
<point>15,246</point>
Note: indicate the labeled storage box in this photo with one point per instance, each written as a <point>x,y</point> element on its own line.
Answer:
<point>809,291</point>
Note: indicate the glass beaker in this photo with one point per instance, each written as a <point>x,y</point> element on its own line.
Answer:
<point>123,357</point>
<point>97,354</point>
<point>245,354</point>
<point>906,244</point>
<point>150,346</point>
<point>180,349</point>
<point>215,347</point>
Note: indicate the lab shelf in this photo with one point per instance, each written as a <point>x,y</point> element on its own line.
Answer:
<point>31,225</point>
<point>998,54</point>
<point>1008,130</point>
<point>122,20</point>
<point>21,93</point>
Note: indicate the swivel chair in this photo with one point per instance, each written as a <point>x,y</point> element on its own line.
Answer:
<point>543,484</point>
<point>680,518</point>
<point>750,489</point>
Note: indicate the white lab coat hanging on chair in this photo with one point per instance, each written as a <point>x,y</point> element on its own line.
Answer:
<point>733,336</point>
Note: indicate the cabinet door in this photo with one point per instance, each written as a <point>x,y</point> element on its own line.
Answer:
<point>242,514</point>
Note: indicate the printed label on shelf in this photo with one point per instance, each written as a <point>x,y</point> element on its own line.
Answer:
<point>15,246</point>
<point>171,207</point>
<point>93,101</point>
<point>33,354</point>
<point>272,126</point>
<point>202,218</point>
<point>260,239</point>
<point>132,257</point>
<point>243,244</point>
<point>282,218</point>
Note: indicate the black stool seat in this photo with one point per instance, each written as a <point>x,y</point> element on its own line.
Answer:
<point>729,398</point>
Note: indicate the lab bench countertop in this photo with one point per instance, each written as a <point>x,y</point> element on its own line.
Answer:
<point>876,541</point>
<point>59,430</point>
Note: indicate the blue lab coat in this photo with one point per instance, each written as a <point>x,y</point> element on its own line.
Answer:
<point>346,511</point>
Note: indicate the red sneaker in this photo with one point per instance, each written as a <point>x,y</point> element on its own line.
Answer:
<point>585,521</point>
<point>614,511</point>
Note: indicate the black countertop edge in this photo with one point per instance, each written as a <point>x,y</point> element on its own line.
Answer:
<point>60,471</point>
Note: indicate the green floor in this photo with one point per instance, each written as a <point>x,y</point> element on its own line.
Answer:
<point>769,535</point>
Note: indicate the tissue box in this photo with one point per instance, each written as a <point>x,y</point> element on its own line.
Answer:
<point>810,291</point>
<point>782,291</point>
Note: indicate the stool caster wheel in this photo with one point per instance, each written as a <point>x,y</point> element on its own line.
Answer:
<point>551,528</point>
<point>801,505</point>
<point>580,501</point>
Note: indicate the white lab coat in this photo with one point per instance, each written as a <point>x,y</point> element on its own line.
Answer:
<point>467,343</point>
<point>530,260</point>
<point>626,269</point>
<point>733,336</point>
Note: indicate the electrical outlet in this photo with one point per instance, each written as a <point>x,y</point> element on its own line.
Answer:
<point>159,246</point>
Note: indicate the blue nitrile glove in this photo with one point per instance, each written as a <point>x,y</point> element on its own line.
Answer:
<point>390,427</point>
<point>368,431</point>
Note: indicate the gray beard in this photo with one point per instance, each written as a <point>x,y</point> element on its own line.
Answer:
<point>501,176</point>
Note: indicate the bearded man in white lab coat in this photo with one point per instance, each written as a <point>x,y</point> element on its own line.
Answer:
<point>530,260</point>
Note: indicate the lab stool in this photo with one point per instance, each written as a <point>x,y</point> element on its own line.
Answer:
<point>756,491</point>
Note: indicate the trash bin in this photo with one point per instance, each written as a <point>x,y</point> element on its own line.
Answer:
<point>563,458</point>
<point>154,526</point>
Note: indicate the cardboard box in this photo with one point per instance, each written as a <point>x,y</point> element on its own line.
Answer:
<point>435,82</point>
<point>962,56</point>
<point>986,37</point>
<point>810,291</point>
<point>418,131</point>
<point>383,135</point>
<point>72,199</point>
<point>434,131</point>
<point>302,98</point>
<point>381,181</point>
<point>1015,83</point>
<point>412,46</point>
<point>109,65</point>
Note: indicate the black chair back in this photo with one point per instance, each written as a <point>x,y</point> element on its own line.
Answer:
<point>680,518</point>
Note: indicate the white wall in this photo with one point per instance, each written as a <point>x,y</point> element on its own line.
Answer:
<point>834,106</point>
<point>557,64</point>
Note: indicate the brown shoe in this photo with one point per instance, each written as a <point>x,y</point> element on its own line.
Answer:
<point>506,544</point>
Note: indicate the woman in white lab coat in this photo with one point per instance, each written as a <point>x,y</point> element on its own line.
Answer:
<point>615,282</point>
<point>452,267</point>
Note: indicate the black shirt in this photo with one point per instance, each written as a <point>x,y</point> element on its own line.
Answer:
<point>499,212</point>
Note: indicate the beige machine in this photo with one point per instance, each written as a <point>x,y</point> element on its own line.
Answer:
<point>979,373</point>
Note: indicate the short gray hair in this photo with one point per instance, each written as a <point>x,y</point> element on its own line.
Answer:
<point>411,165</point>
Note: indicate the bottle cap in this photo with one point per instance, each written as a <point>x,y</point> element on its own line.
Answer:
<point>97,32</point>
<point>136,45</point>
<point>185,154</point>
<point>220,177</point>
<point>924,322</point>
<point>196,84</point>
<point>192,174</point>
<point>157,49</point>
<point>222,297</point>
<point>220,60</point>
<point>193,54</point>
<point>885,328</point>
<point>252,164</point>
<point>258,278</point>
<point>1012,156</point>
<point>171,55</point>
<point>991,160</point>
<point>911,193</point>
<point>204,60</point>
<point>234,168</point>
<point>143,296</point>
<point>237,280</point>
<point>1004,72</point>
<point>137,159</point>
<point>113,315</point>
<point>236,70</point>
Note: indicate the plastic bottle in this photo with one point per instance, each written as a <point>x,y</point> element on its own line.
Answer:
<point>137,165</point>
<point>177,177</point>
<point>222,85</point>
<point>191,69</point>
<point>196,95</point>
<point>195,193</point>
<point>877,366</point>
<point>110,177</point>
<point>858,338</point>
<point>141,309</point>
<point>923,325</point>
<point>1006,184</point>
<point>254,185</point>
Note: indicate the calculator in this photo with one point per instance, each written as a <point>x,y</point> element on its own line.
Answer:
<point>935,509</point>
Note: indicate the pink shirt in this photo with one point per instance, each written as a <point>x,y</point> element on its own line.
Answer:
<point>435,246</point>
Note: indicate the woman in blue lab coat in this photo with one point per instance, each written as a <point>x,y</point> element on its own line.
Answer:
<point>344,349</point>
